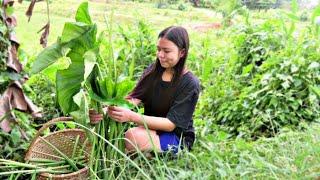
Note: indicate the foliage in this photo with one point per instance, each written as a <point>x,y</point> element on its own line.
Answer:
<point>173,4</point>
<point>271,85</point>
<point>42,91</point>
<point>83,84</point>
<point>16,128</point>
<point>261,4</point>
<point>14,143</point>
<point>138,44</point>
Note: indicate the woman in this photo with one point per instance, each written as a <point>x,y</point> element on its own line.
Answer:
<point>169,93</point>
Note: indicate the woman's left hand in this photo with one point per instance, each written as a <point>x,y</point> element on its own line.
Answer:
<point>119,114</point>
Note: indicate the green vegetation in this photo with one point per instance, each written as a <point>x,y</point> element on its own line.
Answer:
<point>259,111</point>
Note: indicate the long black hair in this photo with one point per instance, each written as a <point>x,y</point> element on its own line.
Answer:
<point>179,36</point>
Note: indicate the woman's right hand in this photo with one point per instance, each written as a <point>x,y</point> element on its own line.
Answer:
<point>94,116</point>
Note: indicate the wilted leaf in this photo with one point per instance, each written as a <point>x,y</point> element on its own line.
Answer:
<point>8,2</point>
<point>44,35</point>
<point>11,21</point>
<point>30,9</point>
<point>13,61</point>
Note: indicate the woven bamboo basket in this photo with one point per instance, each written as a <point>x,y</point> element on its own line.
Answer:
<point>64,140</point>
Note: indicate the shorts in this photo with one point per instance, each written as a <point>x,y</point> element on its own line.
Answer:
<point>169,141</point>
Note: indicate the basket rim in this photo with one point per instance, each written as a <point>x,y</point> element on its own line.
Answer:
<point>63,131</point>
<point>48,175</point>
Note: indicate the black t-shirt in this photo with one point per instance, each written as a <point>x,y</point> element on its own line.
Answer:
<point>177,103</point>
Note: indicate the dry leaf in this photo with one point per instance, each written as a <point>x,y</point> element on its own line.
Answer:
<point>44,35</point>
<point>12,61</point>
<point>30,9</point>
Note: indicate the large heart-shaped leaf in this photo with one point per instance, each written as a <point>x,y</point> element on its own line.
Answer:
<point>83,14</point>
<point>47,57</point>
<point>74,30</point>
<point>68,83</point>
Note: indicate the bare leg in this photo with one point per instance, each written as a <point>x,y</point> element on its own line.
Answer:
<point>138,137</point>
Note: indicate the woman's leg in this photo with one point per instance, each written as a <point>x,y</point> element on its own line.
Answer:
<point>138,137</point>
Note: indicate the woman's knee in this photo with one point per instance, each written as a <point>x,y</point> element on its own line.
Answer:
<point>138,137</point>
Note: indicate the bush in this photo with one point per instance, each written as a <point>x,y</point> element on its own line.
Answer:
<point>272,83</point>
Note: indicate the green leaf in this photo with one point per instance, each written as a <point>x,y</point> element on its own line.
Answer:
<point>82,14</point>
<point>294,6</point>
<point>60,125</point>
<point>74,30</point>
<point>90,59</point>
<point>47,57</point>
<point>62,63</point>
<point>293,17</point>
<point>9,10</point>
<point>109,86</point>
<point>15,135</point>
<point>315,13</point>
<point>316,90</point>
<point>68,83</point>
<point>124,87</point>
<point>103,88</point>
<point>247,69</point>
<point>82,115</point>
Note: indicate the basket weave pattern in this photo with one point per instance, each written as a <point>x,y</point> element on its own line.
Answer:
<point>64,140</point>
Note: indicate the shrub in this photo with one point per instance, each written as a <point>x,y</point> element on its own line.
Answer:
<point>271,83</point>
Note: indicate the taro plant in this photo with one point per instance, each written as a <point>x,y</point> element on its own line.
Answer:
<point>96,76</point>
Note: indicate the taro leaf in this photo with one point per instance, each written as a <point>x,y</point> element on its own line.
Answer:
<point>62,63</point>
<point>111,101</point>
<point>103,89</point>
<point>74,30</point>
<point>124,87</point>
<point>47,57</point>
<point>30,9</point>
<point>82,115</point>
<point>109,84</point>
<point>68,84</point>
<point>83,14</point>
<point>90,59</point>
<point>69,81</point>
